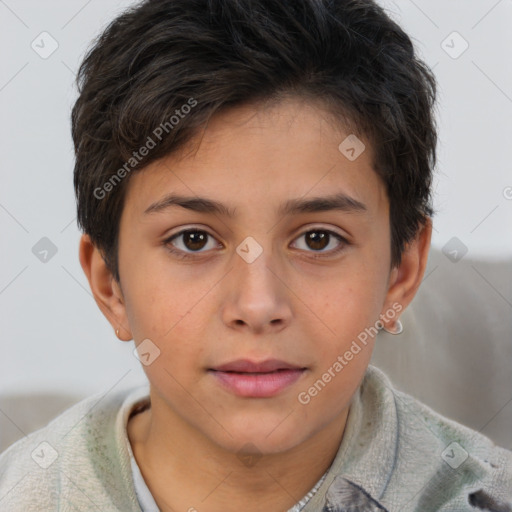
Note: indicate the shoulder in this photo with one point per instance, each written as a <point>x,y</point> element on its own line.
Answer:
<point>71,455</point>
<point>453,463</point>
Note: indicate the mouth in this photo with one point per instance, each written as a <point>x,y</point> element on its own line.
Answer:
<point>256,379</point>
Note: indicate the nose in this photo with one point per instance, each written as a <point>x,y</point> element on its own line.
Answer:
<point>258,298</point>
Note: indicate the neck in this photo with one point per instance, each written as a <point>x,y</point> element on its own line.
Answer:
<point>185,470</point>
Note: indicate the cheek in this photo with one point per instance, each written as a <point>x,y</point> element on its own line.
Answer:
<point>172,326</point>
<point>352,301</point>
<point>172,317</point>
<point>347,313</point>
<point>159,298</point>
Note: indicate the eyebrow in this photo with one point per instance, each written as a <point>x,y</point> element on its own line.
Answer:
<point>340,202</point>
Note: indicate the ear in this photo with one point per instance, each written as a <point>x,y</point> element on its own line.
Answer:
<point>405,279</point>
<point>105,289</point>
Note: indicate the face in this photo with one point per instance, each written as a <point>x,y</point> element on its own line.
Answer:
<point>260,271</point>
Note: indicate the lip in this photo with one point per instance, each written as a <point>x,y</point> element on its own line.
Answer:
<point>256,379</point>
<point>248,366</point>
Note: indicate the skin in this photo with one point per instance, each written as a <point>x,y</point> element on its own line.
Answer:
<point>216,307</point>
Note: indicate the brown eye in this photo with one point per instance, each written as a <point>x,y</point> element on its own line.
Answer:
<point>189,241</point>
<point>318,240</point>
<point>194,240</point>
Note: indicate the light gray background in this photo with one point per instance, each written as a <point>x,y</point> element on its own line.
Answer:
<point>53,336</point>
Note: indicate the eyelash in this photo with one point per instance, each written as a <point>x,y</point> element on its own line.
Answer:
<point>184,255</point>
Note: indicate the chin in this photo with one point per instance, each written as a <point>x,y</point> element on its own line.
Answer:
<point>260,436</point>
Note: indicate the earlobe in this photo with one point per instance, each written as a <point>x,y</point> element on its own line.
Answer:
<point>105,290</point>
<point>406,278</point>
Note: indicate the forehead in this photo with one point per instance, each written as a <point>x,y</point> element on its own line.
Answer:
<point>255,155</point>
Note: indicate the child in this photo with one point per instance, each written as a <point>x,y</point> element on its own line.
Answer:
<point>253,180</point>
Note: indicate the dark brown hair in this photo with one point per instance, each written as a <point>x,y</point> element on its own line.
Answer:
<point>161,69</point>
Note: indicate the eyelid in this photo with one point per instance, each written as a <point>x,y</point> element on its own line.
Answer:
<point>167,241</point>
<point>318,227</point>
<point>343,242</point>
